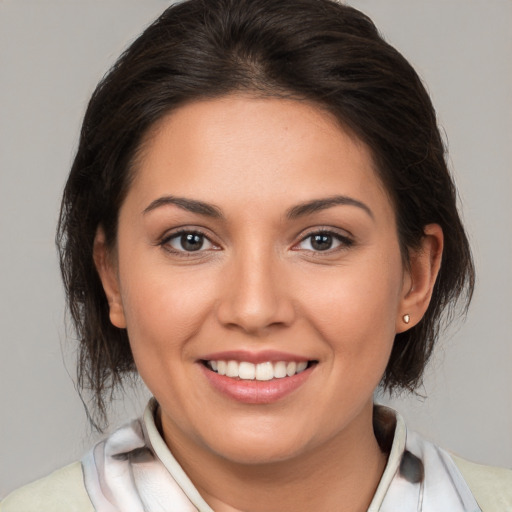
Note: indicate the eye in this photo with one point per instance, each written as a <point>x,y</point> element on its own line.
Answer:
<point>188,241</point>
<point>324,241</point>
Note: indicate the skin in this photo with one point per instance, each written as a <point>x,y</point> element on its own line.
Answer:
<point>258,284</point>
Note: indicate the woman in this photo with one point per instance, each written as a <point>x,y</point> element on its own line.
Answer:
<point>260,222</point>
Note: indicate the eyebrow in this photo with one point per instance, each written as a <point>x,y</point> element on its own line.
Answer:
<point>190,205</point>
<point>295,212</point>
<point>321,204</point>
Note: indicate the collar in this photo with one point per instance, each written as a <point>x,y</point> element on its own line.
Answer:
<point>133,470</point>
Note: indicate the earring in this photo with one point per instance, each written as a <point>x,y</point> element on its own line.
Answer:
<point>406,318</point>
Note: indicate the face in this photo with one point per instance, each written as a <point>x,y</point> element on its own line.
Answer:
<point>257,240</point>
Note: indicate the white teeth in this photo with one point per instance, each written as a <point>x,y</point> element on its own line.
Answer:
<point>280,370</point>
<point>264,371</point>
<point>221,367</point>
<point>246,371</point>
<point>232,369</point>
<point>291,368</point>
<point>261,371</point>
<point>301,366</point>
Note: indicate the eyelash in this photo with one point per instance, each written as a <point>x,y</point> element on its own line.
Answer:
<point>344,242</point>
<point>165,242</point>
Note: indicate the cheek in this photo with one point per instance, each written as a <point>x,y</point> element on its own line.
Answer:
<point>164,309</point>
<point>354,309</point>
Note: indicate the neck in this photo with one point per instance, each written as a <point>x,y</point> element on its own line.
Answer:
<point>341,474</point>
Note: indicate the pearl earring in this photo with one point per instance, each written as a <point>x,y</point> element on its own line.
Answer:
<point>406,319</point>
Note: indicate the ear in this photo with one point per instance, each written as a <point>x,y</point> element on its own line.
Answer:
<point>424,265</point>
<point>107,271</point>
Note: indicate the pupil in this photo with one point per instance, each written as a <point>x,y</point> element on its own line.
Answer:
<point>321,242</point>
<point>191,242</point>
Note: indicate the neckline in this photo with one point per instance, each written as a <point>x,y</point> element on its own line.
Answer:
<point>388,425</point>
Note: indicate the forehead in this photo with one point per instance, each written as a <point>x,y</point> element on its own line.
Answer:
<point>254,150</point>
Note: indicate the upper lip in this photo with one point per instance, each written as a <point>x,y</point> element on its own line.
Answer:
<point>262,356</point>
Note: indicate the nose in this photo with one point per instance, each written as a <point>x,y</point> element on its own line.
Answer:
<point>256,297</point>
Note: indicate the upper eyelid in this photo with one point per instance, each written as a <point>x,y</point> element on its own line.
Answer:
<point>165,243</point>
<point>177,231</point>
<point>343,233</point>
<point>174,232</point>
<point>345,239</point>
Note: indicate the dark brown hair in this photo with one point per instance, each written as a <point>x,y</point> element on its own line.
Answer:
<point>315,50</point>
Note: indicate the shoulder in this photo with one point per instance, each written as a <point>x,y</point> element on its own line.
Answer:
<point>491,486</point>
<point>62,491</point>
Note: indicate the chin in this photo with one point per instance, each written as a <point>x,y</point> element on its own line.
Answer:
<point>258,454</point>
<point>255,447</point>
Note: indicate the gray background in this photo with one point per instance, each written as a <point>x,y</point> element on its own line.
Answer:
<point>52,53</point>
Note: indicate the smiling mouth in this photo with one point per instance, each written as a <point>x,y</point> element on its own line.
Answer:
<point>268,370</point>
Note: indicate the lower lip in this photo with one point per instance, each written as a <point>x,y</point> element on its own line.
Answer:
<point>256,391</point>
